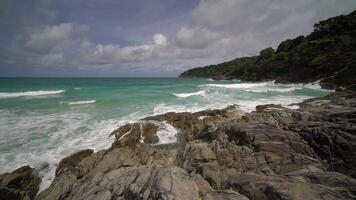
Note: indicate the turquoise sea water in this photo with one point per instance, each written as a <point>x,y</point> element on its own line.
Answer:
<point>43,120</point>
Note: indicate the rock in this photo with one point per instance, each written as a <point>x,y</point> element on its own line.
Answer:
<point>69,164</point>
<point>269,107</point>
<point>224,195</point>
<point>132,134</point>
<point>220,77</point>
<point>23,183</point>
<point>273,153</point>
<point>199,158</point>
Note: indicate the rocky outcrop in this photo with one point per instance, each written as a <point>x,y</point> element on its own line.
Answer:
<point>272,153</point>
<point>23,183</point>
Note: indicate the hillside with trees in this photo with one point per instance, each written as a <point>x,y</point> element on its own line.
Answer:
<point>327,54</point>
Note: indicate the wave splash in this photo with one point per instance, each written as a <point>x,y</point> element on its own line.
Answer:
<point>81,102</point>
<point>185,95</point>
<point>29,93</point>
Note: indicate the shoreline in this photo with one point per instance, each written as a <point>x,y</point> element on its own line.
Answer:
<point>47,159</point>
<point>198,134</point>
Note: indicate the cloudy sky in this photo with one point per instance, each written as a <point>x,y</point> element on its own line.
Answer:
<point>146,37</point>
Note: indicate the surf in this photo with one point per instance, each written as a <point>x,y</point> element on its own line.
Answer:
<point>29,93</point>
<point>73,103</point>
<point>185,95</point>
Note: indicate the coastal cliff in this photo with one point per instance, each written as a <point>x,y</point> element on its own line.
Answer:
<point>327,54</point>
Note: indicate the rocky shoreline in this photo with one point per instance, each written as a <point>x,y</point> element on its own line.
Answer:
<point>272,153</point>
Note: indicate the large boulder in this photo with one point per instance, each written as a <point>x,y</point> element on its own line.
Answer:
<point>23,183</point>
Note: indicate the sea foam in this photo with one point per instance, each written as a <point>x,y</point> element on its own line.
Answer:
<point>29,93</point>
<point>239,85</point>
<point>81,102</point>
<point>185,95</point>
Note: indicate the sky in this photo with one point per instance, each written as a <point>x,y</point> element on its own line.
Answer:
<point>146,38</point>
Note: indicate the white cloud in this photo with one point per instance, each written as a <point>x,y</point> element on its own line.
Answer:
<point>160,39</point>
<point>114,53</point>
<point>218,30</point>
<point>46,38</point>
<point>197,37</point>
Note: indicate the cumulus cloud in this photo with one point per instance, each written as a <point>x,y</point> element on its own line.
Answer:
<point>114,53</point>
<point>44,45</point>
<point>197,37</point>
<point>48,37</point>
<point>160,39</point>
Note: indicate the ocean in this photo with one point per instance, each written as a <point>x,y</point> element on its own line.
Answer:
<point>43,120</point>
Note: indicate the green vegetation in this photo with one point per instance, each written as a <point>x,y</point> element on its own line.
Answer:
<point>328,53</point>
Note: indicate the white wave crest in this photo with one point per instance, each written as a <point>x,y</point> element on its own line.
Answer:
<point>239,85</point>
<point>29,93</point>
<point>185,95</point>
<point>261,90</point>
<point>166,133</point>
<point>81,102</point>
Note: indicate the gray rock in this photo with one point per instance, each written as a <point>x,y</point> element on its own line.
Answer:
<point>23,183</point>
<point>277,153</point>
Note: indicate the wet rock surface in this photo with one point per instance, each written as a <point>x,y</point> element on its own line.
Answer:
<point>23,183</point>
<point>272,153</point>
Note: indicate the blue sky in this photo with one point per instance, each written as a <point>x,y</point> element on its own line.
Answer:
<point>86,38</point>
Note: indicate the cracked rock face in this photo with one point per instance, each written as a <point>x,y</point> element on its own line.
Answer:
<point>272,153</point>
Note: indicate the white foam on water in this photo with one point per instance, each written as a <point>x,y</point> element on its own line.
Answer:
<point>166,108</point>
<point>166,133</point>
<point>81,102</point>
<point>44,140</point>
<point>29,93</point>
<point>239,85</point>
<point>250,105</point>
<point>265,89</point>
<point>314,86</point>
<point>185,95</point>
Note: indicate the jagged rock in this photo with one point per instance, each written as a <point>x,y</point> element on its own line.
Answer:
<point>132,134</point>
<point>23,183</point>
<point>69,164</point>
<point>224,195</point>
<point>277,153</point>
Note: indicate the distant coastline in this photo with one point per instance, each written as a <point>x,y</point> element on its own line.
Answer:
<point>327,54</point>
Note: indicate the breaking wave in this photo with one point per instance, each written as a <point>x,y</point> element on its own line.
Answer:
<point>29,93</point>
<point>81,102</point>
<point>185,95</point>
<point>239,85</point>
